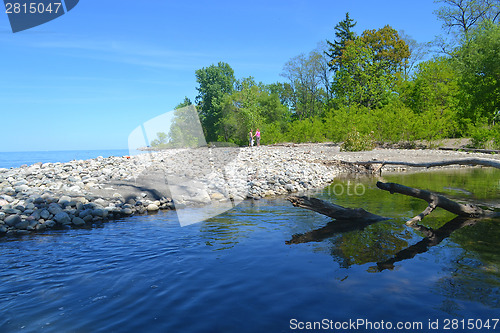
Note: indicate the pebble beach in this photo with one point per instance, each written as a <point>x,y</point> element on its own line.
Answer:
<point>83,193</point>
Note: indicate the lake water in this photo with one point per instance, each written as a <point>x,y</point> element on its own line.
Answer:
<point>16,159</point>
<point>236,272</point>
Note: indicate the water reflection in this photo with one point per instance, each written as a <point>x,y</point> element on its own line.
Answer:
<point>433,238</point>
<point>389,242</point>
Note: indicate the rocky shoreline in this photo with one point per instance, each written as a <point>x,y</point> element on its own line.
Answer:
<point>83,193</point>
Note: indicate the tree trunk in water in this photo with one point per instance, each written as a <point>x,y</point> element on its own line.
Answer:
<point>436,200</point>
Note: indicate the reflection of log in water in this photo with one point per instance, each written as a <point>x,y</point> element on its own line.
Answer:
<point>433,238</point>
<point>347,219</point>
<point>332,228</point>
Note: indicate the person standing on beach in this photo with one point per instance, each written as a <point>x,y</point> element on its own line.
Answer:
<point>250,139</point>
<point>257,135</point>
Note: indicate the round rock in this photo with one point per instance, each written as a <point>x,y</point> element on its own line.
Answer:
<point>62,218</point>
<point>152,208</point>
<point>12,220</point>
<point>78,221</point>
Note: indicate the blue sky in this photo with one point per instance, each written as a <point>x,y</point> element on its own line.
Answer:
<point>88,78</point>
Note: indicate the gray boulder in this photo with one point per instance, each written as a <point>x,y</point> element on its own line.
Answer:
<point>55,208</point>
<point>62,218</point>
<point>78,221</point>
<point>12,220</point>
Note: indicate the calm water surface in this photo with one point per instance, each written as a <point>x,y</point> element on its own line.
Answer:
<point>236,272</point>
<point>17,159</point>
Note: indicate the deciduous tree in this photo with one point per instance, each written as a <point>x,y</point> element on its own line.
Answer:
<point>214,83</point>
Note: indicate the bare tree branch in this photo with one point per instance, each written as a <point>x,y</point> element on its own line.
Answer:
<point>436,200</point>
<point>470,161</point>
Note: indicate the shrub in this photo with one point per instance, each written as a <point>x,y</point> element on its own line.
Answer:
<point>307,130</point>
<point>355,141</point>
<point>481,134</point>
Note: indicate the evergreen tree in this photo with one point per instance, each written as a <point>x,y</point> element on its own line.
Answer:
<point>343,33</point>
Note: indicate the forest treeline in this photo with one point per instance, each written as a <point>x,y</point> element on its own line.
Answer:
<point>377,86</point>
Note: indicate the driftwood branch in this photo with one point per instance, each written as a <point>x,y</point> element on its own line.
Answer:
<point>334,211</point>
<point>347,219</point>
<point>436,200</point>
<point>420,216</point>
<point>469,161</point>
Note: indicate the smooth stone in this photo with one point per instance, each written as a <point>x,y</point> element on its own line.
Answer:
<point>88,218</point>
<point>3,229</point>
<point>62,218</point>
<point>99,212</point>
<point>35,214</point>
<point>85,212</point>
<point>78,221</point>
<point>127,211</point>
<point>41,227</point>
<point>12,220</point>
<point>39,201</point>
<point>152,208</point>
<point>7,198</point>
<point>101,202</point>
<point>2,216</point>
<point>12,211</point>
<point>64,200</point>
<point>9,191</point>
<point>50,223</point>
<point>55,208</point>
<point>45,214</point>
<point>22,225</point>
<point>217,196</point>
<point>289,187</point>
<point>21,188</point>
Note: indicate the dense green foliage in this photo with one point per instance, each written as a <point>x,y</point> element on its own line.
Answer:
<point>368,88</point>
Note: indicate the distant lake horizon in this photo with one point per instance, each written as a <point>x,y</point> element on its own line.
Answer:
<point>17,159</point>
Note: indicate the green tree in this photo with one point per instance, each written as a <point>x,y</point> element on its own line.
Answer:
<point>434,86</point>
<point>343,34</point>
<point>185,128</point>
<point>304,73</point>
<point>215,82</point>
<point>251,106</point>
<point>478,61</point>
<point>184,103</point>
<point>390,51</point>
<point>372,65</point>
<point>160,141</point>
<point>284,91</point>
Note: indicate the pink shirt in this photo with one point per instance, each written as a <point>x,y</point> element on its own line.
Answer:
<point>257,134</point>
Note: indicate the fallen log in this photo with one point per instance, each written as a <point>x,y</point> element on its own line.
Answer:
<point>347,219</point>
<point>436,200</point>
<point>334,211</point>
<point>468,161</point>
